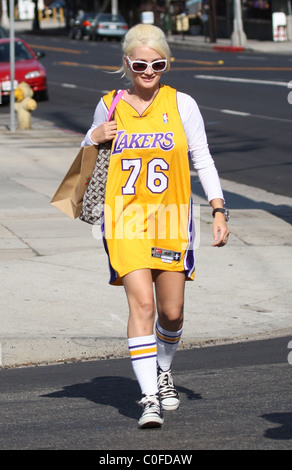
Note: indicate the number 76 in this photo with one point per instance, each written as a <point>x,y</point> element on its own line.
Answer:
<point>156,180</point>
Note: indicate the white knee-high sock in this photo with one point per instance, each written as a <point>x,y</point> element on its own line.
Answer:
<point>167,343</point>
<point>143,353</point>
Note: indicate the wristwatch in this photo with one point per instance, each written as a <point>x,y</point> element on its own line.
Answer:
<point>224,211</point>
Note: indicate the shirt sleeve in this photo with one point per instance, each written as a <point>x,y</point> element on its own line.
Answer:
<point>198,146</point>
<point>100,116</point>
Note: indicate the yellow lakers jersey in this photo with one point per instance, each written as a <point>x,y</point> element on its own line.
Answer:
<point>148,209</point>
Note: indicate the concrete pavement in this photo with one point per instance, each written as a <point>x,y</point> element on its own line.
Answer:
<point>55,301</point>
<point>225,45</point>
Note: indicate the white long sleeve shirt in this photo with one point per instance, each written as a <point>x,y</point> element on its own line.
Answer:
<point>196,137</point>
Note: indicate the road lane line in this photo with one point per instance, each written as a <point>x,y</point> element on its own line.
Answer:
<point>257,116</point>
<point>241,80</point>
<point>68,85</point>
<point>90,66</point>
<point>56,49</point>
<point>180,69</point>
<point>79,87</point>
<point>238,113</point>
<point>209,108</point>
<point>194,61</point>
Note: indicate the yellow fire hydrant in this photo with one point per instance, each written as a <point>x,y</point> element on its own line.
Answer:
<point>24,105</point>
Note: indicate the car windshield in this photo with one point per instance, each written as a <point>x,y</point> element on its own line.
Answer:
<point>21,52</point>
<point>110,18</point>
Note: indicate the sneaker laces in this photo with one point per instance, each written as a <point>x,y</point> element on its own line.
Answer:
<point>151,404</point>
<point>165,384</point>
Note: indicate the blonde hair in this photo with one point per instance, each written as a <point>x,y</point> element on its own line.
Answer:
<point>145,35</point>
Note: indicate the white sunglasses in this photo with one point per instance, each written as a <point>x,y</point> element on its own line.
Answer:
<point>140,66</point>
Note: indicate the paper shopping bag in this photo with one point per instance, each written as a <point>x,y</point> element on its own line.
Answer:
<point>69,195</point>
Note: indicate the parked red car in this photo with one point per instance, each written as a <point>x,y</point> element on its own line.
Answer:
<point>27,69</point>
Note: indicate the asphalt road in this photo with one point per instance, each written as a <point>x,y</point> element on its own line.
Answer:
<point>243,98</point>
<point>232,397</point>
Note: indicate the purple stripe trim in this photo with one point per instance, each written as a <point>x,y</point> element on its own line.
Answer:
<point>189,261</point>
<point>168,336</point>
<point>113,273</point>
<point>168,342</point>
<point>143,357</point>
<point>143,345</point>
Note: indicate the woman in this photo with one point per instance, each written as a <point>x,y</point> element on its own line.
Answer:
<point>148,227</point>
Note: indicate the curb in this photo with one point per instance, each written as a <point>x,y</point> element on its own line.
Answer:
<point>228,48</point>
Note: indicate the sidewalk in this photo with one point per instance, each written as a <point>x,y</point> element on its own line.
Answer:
<point>55,301</point>
<point>225,45</point>
<point>195,42</point>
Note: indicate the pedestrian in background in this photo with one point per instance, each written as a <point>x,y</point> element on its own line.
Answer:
<point>148,227</point>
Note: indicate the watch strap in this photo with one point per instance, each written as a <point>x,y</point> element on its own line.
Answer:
<point>219,209</point>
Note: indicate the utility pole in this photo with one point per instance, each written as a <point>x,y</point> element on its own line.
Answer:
<point>212,21</point>
<point>12,66</point>
<point>238,37</point>
<point>115,8</point>
<point>289,21</point>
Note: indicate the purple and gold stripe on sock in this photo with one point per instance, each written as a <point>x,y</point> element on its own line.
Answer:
<point>172,338</point>
<point>143,351</point>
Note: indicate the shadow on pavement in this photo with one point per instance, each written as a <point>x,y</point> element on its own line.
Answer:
<point>122,393</point>
<point>236,201</point>
<point>284,429</point>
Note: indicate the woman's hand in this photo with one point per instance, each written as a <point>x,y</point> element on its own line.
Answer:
<point>220,230</point>
<point>104,132</point>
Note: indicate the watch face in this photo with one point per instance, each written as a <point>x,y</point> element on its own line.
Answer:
<point>226,215</point>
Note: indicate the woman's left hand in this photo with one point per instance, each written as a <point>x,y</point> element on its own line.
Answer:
<point>220,230</point>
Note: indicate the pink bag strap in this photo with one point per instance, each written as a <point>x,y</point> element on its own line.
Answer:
<point>114,104</point>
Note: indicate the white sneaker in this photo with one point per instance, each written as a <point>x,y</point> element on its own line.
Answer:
<point>152,416</point>
<point>168,395</point>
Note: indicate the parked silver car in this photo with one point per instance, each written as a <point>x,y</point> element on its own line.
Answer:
<point>107,25</point>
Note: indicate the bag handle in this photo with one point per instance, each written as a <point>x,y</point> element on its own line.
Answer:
<point>114,104</point>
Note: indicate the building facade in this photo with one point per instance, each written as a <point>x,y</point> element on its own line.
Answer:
<point>191,16</point>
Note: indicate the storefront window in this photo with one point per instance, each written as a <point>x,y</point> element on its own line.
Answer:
<point>258,9</point>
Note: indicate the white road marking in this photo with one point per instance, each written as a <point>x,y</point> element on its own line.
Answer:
<point>69,85</point>
<point>238,113</point>
<point>241,80</point>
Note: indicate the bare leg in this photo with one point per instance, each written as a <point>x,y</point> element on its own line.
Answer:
<point>170,301</point>
<point>142,343</point>
<point>169,288</point>
<point>139,290</point>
